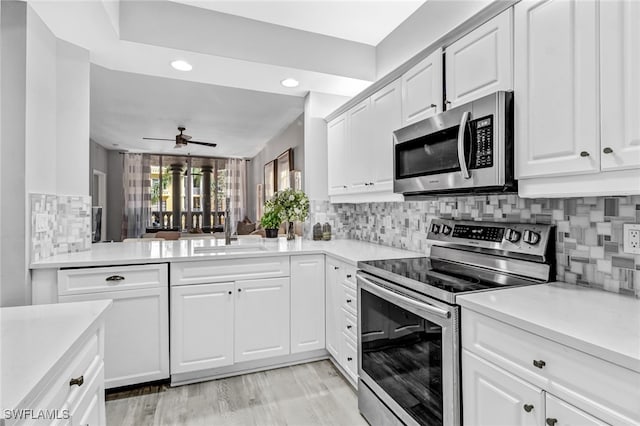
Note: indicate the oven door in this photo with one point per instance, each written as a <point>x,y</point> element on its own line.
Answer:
<point>408,354</point>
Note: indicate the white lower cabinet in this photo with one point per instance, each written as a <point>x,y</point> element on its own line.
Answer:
<point>493,397</point>
<point>342,314</point>
<point>262,319</point>
<point>307,303</point>
<point>202,326</point>
<point>513,377</point>
<point>137,325</point>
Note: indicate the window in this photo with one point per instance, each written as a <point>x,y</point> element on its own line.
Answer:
<point>187,193</point>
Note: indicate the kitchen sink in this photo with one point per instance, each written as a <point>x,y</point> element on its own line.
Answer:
<point>231,249</point>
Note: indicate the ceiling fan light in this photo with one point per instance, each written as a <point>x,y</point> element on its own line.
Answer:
<point>181,65</point>
<point>290,82</point>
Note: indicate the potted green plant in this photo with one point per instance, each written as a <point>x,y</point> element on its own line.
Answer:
<point>271,219</point>
<point>293,205</point>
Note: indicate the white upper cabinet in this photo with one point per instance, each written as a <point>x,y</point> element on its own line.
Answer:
<point>556,88</point>
<point>338,153</point>
<point>620,84</point>
<point>422,89</point>
<point>360,132</point>
<point>386,117</point>
<point>481,62</point>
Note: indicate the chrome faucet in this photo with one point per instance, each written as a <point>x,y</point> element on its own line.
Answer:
<point>227,224</point>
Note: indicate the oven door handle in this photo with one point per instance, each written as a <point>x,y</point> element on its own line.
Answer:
<point>424,306</point>
<point>462,157</point>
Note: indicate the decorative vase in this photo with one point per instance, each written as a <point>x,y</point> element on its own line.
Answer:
<point>271,232</point>
<point>291,234</point>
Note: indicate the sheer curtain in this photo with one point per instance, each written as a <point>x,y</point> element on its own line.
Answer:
<point>236,191</point>
<point>136,183</point>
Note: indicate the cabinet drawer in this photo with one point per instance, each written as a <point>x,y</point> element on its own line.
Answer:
<point>349,325</point>
<point>605,390</point>
<point>350,300</point>
<point>95,280</point>
<point>349,278</point>
<point>83,365</point>
<point>349,359</point>
<point>203,272</point>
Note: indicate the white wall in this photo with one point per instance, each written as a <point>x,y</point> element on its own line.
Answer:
<point>72,108</point>
<point>36,154</point>
<point>316,107</point>
<point>13,21</point>
<point>291,137</point>
<point>431,21</point>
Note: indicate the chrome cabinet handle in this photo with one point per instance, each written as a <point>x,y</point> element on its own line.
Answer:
<point>462,159</point>
<point>607,150</point>
<point>79,381</point>
<point>551,422</point>
<point>113,278</point>
<point>584,154</point>
<point>528,407</point>
<point>539,363</point>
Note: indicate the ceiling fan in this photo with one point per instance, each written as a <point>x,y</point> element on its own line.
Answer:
<point>182,140</point>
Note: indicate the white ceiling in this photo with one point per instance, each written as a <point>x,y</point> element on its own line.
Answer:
<point>367,22</point>
<point>240,51</point>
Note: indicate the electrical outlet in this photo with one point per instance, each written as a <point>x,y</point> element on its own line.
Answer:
<point>631,238</point>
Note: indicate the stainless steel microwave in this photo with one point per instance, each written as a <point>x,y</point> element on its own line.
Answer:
<point>466,149</point>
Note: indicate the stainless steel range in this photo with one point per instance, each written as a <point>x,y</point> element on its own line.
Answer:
<point>408,320</point>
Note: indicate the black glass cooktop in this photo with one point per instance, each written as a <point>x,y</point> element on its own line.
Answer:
<point>450,277</point>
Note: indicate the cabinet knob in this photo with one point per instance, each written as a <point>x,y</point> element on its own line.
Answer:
<point>447,102</point>
<point>239,290</point>
<point>79,381</point>
<point>370,183</point>
<point>434,105</point>
<point>114,278</point>
<point>551,422</point>
<point>539,363</point>
<point>607,150</point>
<point>229,291</point>
<point>349,327</point>
<point>528,407</point>
<point>348,300</point>
<point>584,154</point>
<point>344,186</point>
<point>349,275</point>
<point>336,268</point>
<point>349,359</point>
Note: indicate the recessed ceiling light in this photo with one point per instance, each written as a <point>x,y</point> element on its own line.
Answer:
<point>290,82</point>
<point>181,65</point>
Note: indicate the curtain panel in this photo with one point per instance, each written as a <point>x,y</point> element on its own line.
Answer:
<point>136,182</point>
<point>236,191</point>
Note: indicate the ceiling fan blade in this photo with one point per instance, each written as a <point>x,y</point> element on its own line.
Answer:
<point>159,139</point>
<point>187,137</point>
<point>212,145</point>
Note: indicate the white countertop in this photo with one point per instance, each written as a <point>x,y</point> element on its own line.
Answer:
<point>105,254</point>
<point>603,324</point>
<point>34,339</point>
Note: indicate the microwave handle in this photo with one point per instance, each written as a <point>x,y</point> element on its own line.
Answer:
<point>462,158</point>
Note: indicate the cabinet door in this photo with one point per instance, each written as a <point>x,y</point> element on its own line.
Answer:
<point>91,409</point>
<point>555,82</point>
<point>493,397</point>
<point>422,89</point>
<point>566,414</point>
<point>333,302</point>
<point>386,116</point>
<point>307,303</point>
<point>481,62</point>
<point>338,153</point>
<point>201,326</point>
<point>359,138</point>
<point>619,84</point>
<point>261,319</point>
<point>136,343</point>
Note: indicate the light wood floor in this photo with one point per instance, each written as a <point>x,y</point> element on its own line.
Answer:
<point>307,394</point>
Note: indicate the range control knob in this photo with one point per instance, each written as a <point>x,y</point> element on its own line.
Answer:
<point>512,235</point>
<point>435,228</point>
<point>531,237</point>
<point>446,230</point>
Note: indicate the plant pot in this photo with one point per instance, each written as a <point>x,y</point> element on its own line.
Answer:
<point>271,232</point>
